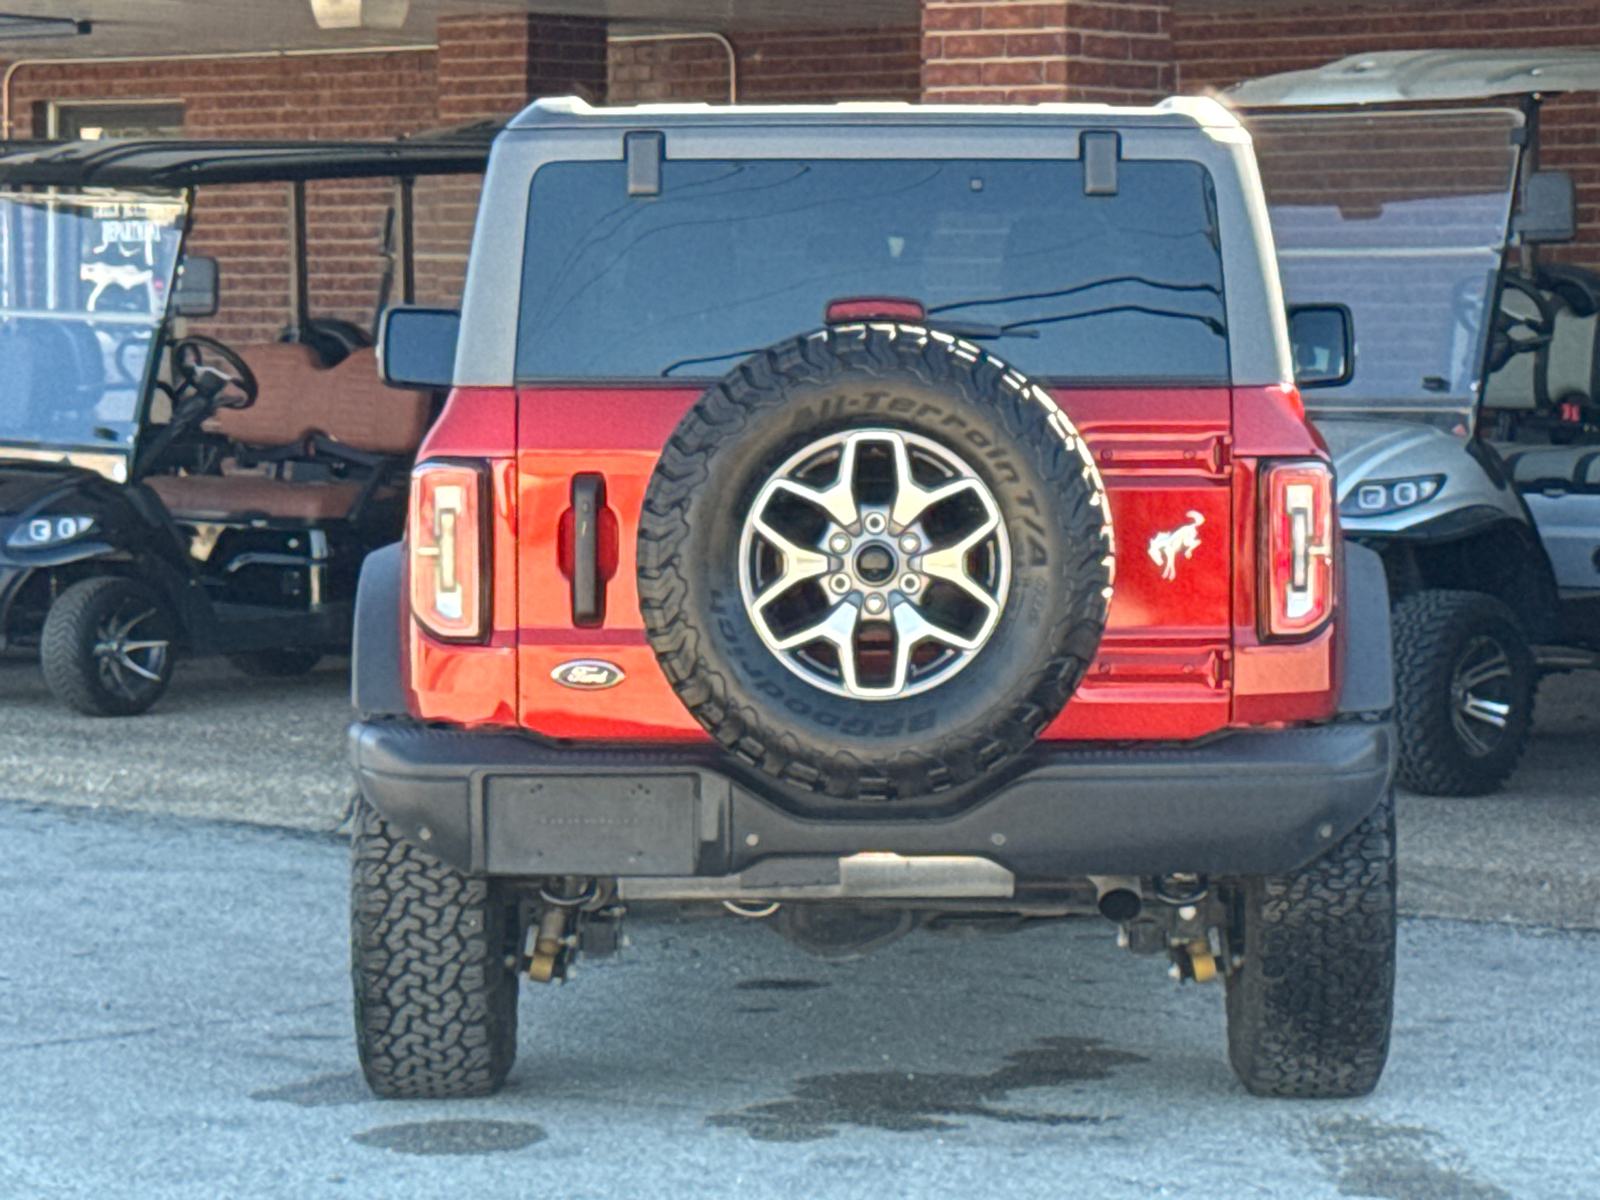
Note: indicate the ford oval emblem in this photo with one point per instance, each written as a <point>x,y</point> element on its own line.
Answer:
<point>590,674</point>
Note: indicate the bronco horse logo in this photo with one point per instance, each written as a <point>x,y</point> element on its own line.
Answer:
<point>1184,540</point>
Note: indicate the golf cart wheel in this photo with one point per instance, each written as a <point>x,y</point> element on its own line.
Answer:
<point>276,664</point>
<point>107,646</point>
<point>1311,1003</point>
<point>435,1001</point>
<point>1464,686</point>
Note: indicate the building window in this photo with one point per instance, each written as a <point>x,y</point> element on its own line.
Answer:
<point>91,121</point>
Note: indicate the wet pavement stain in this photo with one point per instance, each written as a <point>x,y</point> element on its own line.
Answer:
<point>778,985</point>
<point>915,1102</point>
<point>322,1092</point>
<point>452,1137</point>
<point>1367,1157</point>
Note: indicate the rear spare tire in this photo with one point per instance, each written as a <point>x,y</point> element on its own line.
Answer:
<point>875,562</point>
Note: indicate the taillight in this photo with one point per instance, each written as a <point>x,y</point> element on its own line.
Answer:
<point>1297,547</point>
<point>446,536</point>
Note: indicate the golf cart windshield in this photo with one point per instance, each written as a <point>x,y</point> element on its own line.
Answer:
<point>1402,217</point>
<point>84,281</point>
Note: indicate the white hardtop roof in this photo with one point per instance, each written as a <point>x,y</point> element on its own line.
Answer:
<point>1399,76</point>
<point>1201,111</point>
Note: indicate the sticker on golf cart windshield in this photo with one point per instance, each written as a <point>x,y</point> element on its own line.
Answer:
<point>123,254</point>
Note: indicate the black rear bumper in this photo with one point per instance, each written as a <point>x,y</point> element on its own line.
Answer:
<point>1253,802</point>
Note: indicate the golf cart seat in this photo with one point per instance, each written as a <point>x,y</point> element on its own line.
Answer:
<point>1573,367</point>
<point>228,498</point>
<point>348,403</point>
<point>346,407</point>
<point>1565,370</point>
<point>1570,367</point>
<point>1521,382</point>
<point>1566,469</point>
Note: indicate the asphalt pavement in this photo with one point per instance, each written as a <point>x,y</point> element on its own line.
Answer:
<point>219,745</point>
<point>175,1022</point>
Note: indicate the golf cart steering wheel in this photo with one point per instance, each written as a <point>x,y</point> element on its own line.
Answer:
<point>1503,345</point>
<point>207,368</point>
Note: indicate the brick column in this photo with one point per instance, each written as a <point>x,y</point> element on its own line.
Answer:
<point>1008,51</point>
<point>786,65</point>
<point>491,66</point>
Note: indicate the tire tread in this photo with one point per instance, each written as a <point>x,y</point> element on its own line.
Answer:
<point>1432,760</point>
<point>1311,1006</point>
<point>435,1003</point>
<point>69,627</point>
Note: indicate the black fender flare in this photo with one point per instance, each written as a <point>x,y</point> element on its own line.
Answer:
<point>1367,685</point>
<point>1478,548</point>
<point>377,663</point>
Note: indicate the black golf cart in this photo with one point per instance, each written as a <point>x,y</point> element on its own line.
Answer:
<point>162,492</point>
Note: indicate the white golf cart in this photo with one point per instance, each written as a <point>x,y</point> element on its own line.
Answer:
<point>1454,375</point>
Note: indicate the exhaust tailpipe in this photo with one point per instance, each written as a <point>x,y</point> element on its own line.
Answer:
<point>1117,897</point>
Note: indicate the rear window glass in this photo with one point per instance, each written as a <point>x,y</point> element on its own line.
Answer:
<point>734,256</point>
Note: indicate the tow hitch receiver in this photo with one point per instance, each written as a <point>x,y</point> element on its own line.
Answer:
<point>1185,921</point>
<point>548,946</point>
<point>561,929</point>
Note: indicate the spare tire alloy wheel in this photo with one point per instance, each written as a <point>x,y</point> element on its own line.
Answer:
<point>928,565</point>
<point>875,562</point>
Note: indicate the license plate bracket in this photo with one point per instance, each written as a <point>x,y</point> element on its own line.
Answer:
<point>591,824</point>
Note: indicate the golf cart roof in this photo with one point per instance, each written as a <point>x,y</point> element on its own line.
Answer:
<point>169,163</point>
<point>1409,76</point>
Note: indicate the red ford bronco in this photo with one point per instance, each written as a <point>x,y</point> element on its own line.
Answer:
<point>860,516</point>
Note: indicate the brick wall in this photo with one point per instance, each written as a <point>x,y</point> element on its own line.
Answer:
<point>486,66</point>
<point>795,66</point>
<point>1222,46</point>
<point>326,96</point>
<point>966,50</point>
<point>1006,51</point>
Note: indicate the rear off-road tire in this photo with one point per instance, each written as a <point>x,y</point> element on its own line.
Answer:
<point>435,1001</point>
<point>1442,638</point>
<point>1311,1003</point>
<point>107,646</point>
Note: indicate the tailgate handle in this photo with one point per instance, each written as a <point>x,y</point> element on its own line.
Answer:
<point>588,587</point>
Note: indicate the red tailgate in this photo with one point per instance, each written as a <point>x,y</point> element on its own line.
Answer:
<point>1163,669</point>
